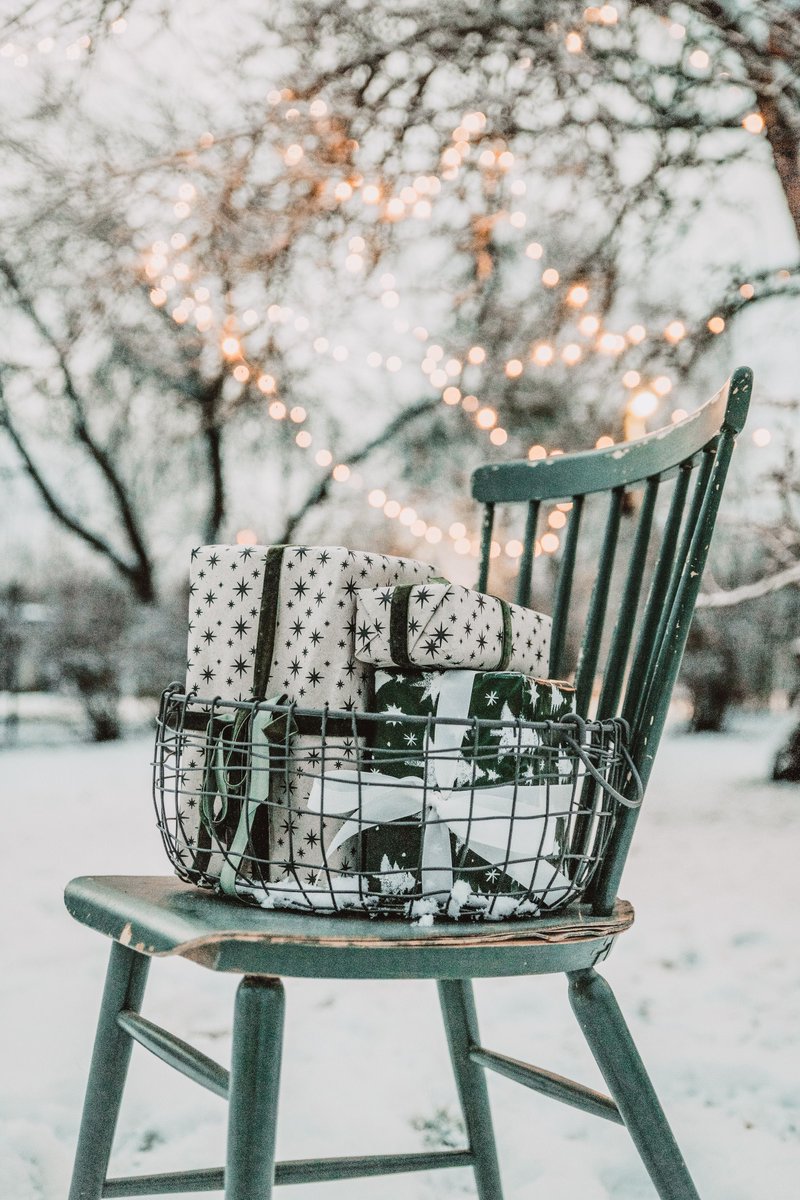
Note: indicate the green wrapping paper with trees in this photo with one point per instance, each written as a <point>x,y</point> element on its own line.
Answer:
<point>450,808</point>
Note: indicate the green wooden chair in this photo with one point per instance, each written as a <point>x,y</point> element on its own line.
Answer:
<point>631,670</point>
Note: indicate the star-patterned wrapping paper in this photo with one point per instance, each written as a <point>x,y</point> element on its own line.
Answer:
<point>443,625</point>
<point>279,622</point>
<point>491,757</point>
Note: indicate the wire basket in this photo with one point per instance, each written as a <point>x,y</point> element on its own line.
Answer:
<point>310,809</point>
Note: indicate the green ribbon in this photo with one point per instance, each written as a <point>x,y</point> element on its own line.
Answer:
<point>257,793</point>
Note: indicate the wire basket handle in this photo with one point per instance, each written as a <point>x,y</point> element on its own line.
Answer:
<point>578,749</point>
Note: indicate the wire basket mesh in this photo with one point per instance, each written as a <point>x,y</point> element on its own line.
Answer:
<point>319,810</point>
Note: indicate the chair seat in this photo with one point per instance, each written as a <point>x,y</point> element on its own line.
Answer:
<point>160,915</point>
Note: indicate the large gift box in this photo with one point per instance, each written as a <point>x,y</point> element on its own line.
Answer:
<point>472,803</point>
<point>277,623</point>
<point>443,625</point>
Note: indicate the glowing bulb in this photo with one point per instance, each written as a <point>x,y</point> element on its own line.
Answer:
<point>298,414</point>
<point>513,368</point>
<point>231,347</point>
<point>611,343</point>
<point>433,534</point>
<point>391,508</point>
<point>571,354</point>
<point>589,325</point>
<point>542,354</point>
<point>303,439</point>
<point>577,295</point>
<point>678,414</point>
<point>341,473</point>
<point>462,546</point>
<point>550,543</point>
<point>573,42</point>
<point>699,59</point>
<point>662,385</point>
<point>241,373</point>
<point>631,379</point>
<point>604,442</point>
<point>408,515</point>
<point>636,334</point>
<point>762,437</point>
<point>340,353</point>
<point>393,363</point>
<point>277,410</point>
<point>675,331</point>
<point>537,452</point>
<point>451,395</point>
<point>246,537</point>
<point>550,277</point>
<point>514,548</point>
<point>747,291</point>
<point>371,194</point>
<point>293,154</point>
<point>557,520</point>
<point>643,404</point>
<point>323,458</point>
<point>476,355</point>
<point>486,418</point>
<point>753,122</point>
<point>498,437</point>
<point>457,530</point>
<point>518,220</point>
<point>534,250</point>
<point>470,404</point>
<point>716,324</point>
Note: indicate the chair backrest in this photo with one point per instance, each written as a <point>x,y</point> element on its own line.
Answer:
<point>652,569</point>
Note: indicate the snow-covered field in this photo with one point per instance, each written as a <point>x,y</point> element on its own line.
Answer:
<point>709,977</point>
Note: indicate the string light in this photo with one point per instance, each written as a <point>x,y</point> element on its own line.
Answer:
<point>753,122</point>
<point>440,373</point>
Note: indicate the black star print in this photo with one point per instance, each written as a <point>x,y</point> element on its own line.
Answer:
<point>242,588</point>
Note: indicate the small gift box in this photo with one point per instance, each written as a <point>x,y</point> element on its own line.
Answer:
<point>279,622</point>
<point>471,798</point>
<point>443,625</point>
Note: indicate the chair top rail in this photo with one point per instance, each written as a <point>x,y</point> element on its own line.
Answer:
<point>618,466</point>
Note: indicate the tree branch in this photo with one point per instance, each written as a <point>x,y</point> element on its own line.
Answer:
<point>319,492</point>
<point>141,583</point>
<point>144,569</point>
<point>751,591</point>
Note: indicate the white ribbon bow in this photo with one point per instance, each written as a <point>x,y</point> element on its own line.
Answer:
<point>496,821</point>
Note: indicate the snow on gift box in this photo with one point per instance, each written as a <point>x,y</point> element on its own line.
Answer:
<point>279,622</point>
<point>476,817</point>
<point>439,624</point>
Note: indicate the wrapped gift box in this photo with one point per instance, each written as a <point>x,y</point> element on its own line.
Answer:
<point>443,625</point>
<point>279,623</point>
<point>459,802</point>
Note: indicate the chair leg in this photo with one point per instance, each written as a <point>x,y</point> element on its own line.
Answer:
<point>461,1025</point>
<point>604,1028</point>
<point>125,983</point>
<point>253,1096</point>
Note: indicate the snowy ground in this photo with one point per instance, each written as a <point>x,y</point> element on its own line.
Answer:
<point>707,977</point>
